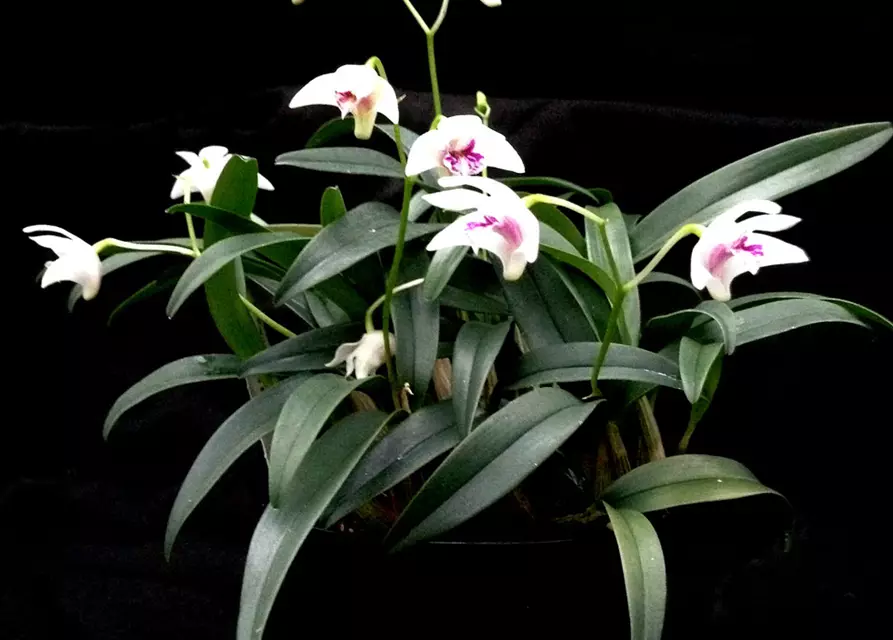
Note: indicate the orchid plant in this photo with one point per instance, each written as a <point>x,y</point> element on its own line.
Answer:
<point>463,370</point>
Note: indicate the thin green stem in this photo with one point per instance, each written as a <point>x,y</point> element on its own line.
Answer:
<point>267,320</point>
<point>440,17</point>
<point>613,320</point>
<point>190,226</point>
<point>432,71</point>
<point>418,17</point>
<point>139,246</point>
<point>370,325</point>
<point>686,437</point>
<point>687,230</point>
<point>535,198</point>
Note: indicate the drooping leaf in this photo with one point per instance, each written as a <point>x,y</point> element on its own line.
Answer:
<point>594,272</point>
<point>490,462</point>
<point>302,418</point>
<point>325,312</point>
<point>281,532</point>
<point>216,257</point>
<point>680,480</point>
<point>174,374</point>
<point>724,319</point>
<point>423,436</point>
<point>331,206</point>
<point>644,572</point>
<point>363,231</point>
<point>695,362</point>
<point>856,309</point>
<point>700,407</point>
<point>296,304</point>
<point>146,292</point>
<point>349,160</point>
<point>472,301</point>
<point>544,181</point>
<point>110,265</point>
<point>552,216</point>
<point>443,265</point>
<point>573,362</point>
<point>474,353</point>
<point>238,433</point>
<point>278,357</point>
<point>230,221</point>
<point>660,277</point>
<point>418,206</point>
<point>768,174</point>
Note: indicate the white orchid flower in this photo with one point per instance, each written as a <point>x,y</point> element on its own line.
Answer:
<point>77,261</point>
<point>728,248</point>
<point>492,3</point>
<point>204,170</point>
<point>364,356</point>
<point>499,222</point>
<point>355,89</point>
<point>463,146</point>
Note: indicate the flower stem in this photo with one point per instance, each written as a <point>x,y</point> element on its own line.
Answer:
<point>370,325</point>
<point>535,198</point>
<point>190,225</point>
<point>444,5</point>
<point>686,437</point>
<point>613,321</point>
<point>418,17</point>
<point>689,229</point>
<point>139,246</point>
<point>267,320</point>
<point>432,70</point>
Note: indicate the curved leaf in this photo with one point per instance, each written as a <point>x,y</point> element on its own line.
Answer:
<point>226,219</point>
<point>443,266</point>
<point>659,276</point>
<point>856,309</point>
<point>423,436</point>
<point>281,532</point>
<point>490,462</point>
<point>598,275</point>
<point>726,321</point>
<point>331,206</point>
<point>552,216</point>
<point>363,231</point>
<point>174,374</point>
<point>147,291</point>
<point>768,174</point>
<point>472,301</point>
<point>680,480</point>
<point>581,301</point>
<point>326,340</point>
<point>251,422</point>
<point>474,353</point>
<point>296,304</point>
<point>644,572</point>
<point>350,160</point>
<point>334,128</point>
<point>217,256</point>
<point>572,362</point>
<point>545,181</point>
<point>695,362</point>
<point>417,327</point>
<point>418,206</point>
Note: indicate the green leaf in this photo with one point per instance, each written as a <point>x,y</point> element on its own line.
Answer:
<point>699,408</point>
<point>669,278</point>
<point>281,532</point>
<point>766,175</point>
<point>338,290</point>
<point>581,311</point>
<point>174,374</point>
<point>146,292</point>
<point>595,273</point>
<point>302,418</point>
<point>474,353</point>
<point>726,321</point>
<point>418,206</point>
<point>238,433</point>
<point>644,572</point>
<point>236,188</point>
<point>619,247</point>
<point>472,301</point>
<point>334,128</point>
<point>350,160</point>
<point>553,217</point>
<point>109,265</point>
<point>406,136</point>
<point>680,480</point>
<point>551,239</point>
<point>695,362</point>
<point>417,327</point>
<point>296,304</point>
<point>226,219</point>
<point>531,312</point>
<point>544,181</point>
<point>572,362</point>
<point>856,309</point>
<point>443,265</point>
<point>423,436</point>
<point>325,312</point>
<point>289,352</point>
<point>363,231</point>
<point>490,462</point>
<point>331,207</point>
<point>216,257</point>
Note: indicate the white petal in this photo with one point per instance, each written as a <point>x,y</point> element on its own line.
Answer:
<point>460,126</point>
<point>487,185</point>
<point>213,152</point>
<point>738,210</point>
<point>81,267</point>
<point>387,103</point>
<point>58,245</point>
<point>492,3</point>
<point>721,288</point>
<point>52,229</point>
<point>777,251</point>
<point>718,290</point>
<point>454,234</point>
<point>497,151</point>
<point>425,152</point>
<point>457,199</point>
<point>364,124</point>
<point>700,275</point>
<point>778,222</point>
<point>320,90</point>
<point>530,231</point>
<point>263,183</point>
<point>359,79</point>
<point>342,352</point>
<point>370,354</point>
<point>189,157</point>
<point>177,189</point>
<point>513,267</point>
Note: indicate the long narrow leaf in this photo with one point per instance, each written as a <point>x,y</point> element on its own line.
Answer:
<point>350,160</point>
<point>326,339</point>
<point>474,353</point>
<point>695,363</point>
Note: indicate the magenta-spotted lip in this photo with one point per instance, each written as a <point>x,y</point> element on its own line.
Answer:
<point>508,228</point>
<point>721,253</point>
<point>463,160</point>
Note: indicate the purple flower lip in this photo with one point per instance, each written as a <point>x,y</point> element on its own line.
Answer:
<point>463,161</point>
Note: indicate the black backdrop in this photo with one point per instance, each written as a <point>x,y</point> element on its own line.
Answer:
<point>642,102</point>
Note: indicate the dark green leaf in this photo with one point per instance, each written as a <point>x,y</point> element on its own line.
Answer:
<point>595,273</point>
<point>325,312</point>
<point>474,353</point>
<point>281,532</point>
<point>723,319</point>
<point>553,217</point>
<point>238,433</point>
<point>554,241</point>
<point>856,309</point>
<point>236,188</point>
<point>150,290</point>
<point>407,137</point>
<point>296,304</point>
<point>680,480</point>
<point>644,572</point>
<point>490,462</point>
<point>278,357</point>
<point>543,181</point>
<point>768,175</point>
<point>472,301</point>
<point>700,407</point>
<point>331,207</point>
<point>423,436</point>
<point>226,219</point>
<point>350,160</point>
<point>660,276</point>
<point>338,290</point>
<point>334,128</point>
<point>417,206</point>
<point>443,265</point>
<point>695,362</point>
<point>174,374</point>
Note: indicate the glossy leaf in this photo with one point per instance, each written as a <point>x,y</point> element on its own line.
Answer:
<point>363,231</point>
<point>334,128</point>
<point>856,309</point>
<point>302,418</point>
<point>349,160</point>
<point>417,327</point>
<point>226,219</point>
<point>146,292</point>
<point>724,319</point>
<point>238,433</point>
<point>490,462</point>
<point>474,353</point>
<point>216,257</point>
<point>174,374</point>
<point>472,301</point>
<point>277,357</point>
<point>296,304</point>
<point>700,407</point>
<point>768,174</point>
<point>595,273</point>
<point>585,305</point>
<point>281,532</point>
<point>681,480</point>
<point>552,216</point>
<point>695,362</point>
<point>573,363</point>
<point>656,277</point>
<point>545,181</point>
<point>325,312</point>
<point>331,207</point>
<point>425,435</point>
<point>644,572</point>
<point>418,206</point>
<point>443,266</point>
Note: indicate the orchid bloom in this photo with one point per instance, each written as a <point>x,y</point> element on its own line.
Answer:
<point>77,261</point>
<point>355,89</point>
<point>364,356</point>
<point>204,170</point>
<point>463,146</point>
<point>728,248</point>
<point>499,222</point>
<point>492,3</point>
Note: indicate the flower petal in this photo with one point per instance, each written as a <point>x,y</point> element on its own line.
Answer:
<point>454,234</point>
<point>777,251</point>
<point>213,152</point>
<point>58,245</point>
<point>425,152</point>
<point>492,3</point>
<point>387,103</point>
<point>364,124</point>
<point>191,158</point>
<point>460,126</point>
<point>342,352</point>
<point>457,199</point>
<point>700,275</point>
<point>777,222</point>
<point>52,229</point>
<point>487,185</point>
<point>732,214</point>
<point>497,151</point>
<point>263,183</point>
<point>360,79</point>
<point>320,90</point>
<point>530,231</point>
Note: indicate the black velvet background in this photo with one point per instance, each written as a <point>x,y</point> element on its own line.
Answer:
<point>640,102</point>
